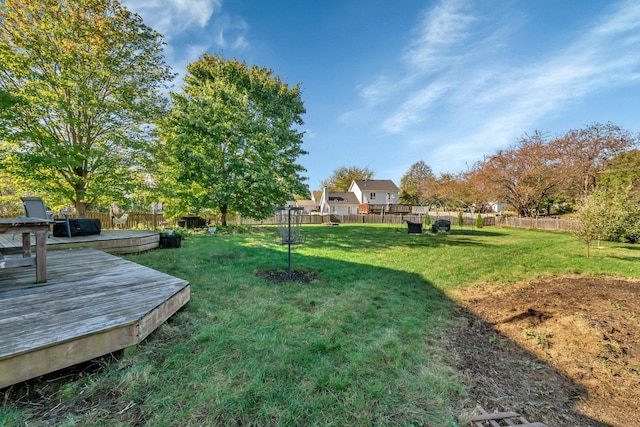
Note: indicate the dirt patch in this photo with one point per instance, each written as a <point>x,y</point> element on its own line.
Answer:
<point>282,276</point>
<point>564,351</point>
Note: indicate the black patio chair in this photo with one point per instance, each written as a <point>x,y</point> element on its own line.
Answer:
<point>414,227</point>
<point>35,208</point>
<point>441,225</point>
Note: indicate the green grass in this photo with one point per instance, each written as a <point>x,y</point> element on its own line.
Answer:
<point>361,345</point>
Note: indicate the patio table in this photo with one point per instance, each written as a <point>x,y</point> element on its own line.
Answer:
<point>26,226</point>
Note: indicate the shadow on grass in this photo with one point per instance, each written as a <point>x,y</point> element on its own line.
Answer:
<point>361,345</point>
<point>475,232</point>
<point>358,238</point>
<point>628,246</point>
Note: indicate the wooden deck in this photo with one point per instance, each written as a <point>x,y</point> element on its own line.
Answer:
<point>111,241</point>
<point>93,303</point>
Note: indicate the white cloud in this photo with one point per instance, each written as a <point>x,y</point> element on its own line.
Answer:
<point>172,17</point>
<point>485,103</point>
<point>606,56</point>
<point>444,27</point>
<point>377,91</point>
<point>191,28</point>
<point>439,31</point>
<point>624,18</point>
<point>230,33</point>
<point>410,112</point>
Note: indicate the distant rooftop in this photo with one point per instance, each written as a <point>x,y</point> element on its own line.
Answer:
<point>376,185</point>
<point>343,197</point>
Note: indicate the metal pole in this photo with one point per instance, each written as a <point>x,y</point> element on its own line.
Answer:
<point>289,241</point>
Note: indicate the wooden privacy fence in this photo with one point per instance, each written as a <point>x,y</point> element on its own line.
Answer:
<point>137,220</point>
<point>314,218</point>
<point>150,221</point>
<point>552,224</point>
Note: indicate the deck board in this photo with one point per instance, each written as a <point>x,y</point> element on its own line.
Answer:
<point>93,303</point>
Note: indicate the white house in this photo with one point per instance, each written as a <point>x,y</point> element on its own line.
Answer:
<point>498,206</point>
<point>308,205</point>
<point>341,203</point>
<point>375,191</point>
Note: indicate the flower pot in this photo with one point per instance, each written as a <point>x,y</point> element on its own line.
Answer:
<point>170,240</point>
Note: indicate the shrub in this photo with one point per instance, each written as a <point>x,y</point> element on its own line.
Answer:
<point>479,221</point>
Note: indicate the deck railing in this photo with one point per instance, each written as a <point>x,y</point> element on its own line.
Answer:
<point>372,208</point>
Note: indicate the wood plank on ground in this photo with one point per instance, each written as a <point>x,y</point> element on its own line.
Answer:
<point>501,419</point>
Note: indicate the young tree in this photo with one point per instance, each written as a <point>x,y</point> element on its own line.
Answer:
<point>460,219</point>
<point>427,220</point>
<point>414,181</point>
<point>341,178</point>
<point>230,141</point>
<point>592,218</point>
<point>479,221</point>
<point>88,74</point>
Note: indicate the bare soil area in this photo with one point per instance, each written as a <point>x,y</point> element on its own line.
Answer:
<point>564,351</point>
<point>283,276</point>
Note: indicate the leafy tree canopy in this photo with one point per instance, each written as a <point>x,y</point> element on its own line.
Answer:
<point>341,178</point>
<point>527,173</point>
<point>607,214</point>
<point>7,100</point>
<point>622,171</point>
<point>585,153</point>
<point>413,183</point>
<point>88,74</point>
<point>230,142</point>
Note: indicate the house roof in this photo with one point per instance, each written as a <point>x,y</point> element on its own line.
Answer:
<point>343,198</point>
<point>316,195</point>
<point>376,185</point>
<point>307,203</point>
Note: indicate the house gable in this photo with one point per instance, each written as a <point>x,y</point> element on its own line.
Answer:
<point>375,191</point>
<point>343,203</point>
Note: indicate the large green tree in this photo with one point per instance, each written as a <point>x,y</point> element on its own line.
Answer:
<point>231,141</point>
<point>414,182</point>
<point>341,178</point>
<point>88,74</point>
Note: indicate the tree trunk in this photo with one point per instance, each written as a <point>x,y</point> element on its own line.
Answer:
<point>223,215</point>
<point>81,208</point>
<point>79,202</point>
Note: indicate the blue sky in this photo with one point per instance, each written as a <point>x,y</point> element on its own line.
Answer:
<point>386,84</point>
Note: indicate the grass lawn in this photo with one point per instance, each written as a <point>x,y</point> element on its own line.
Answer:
<point>363,344</point>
